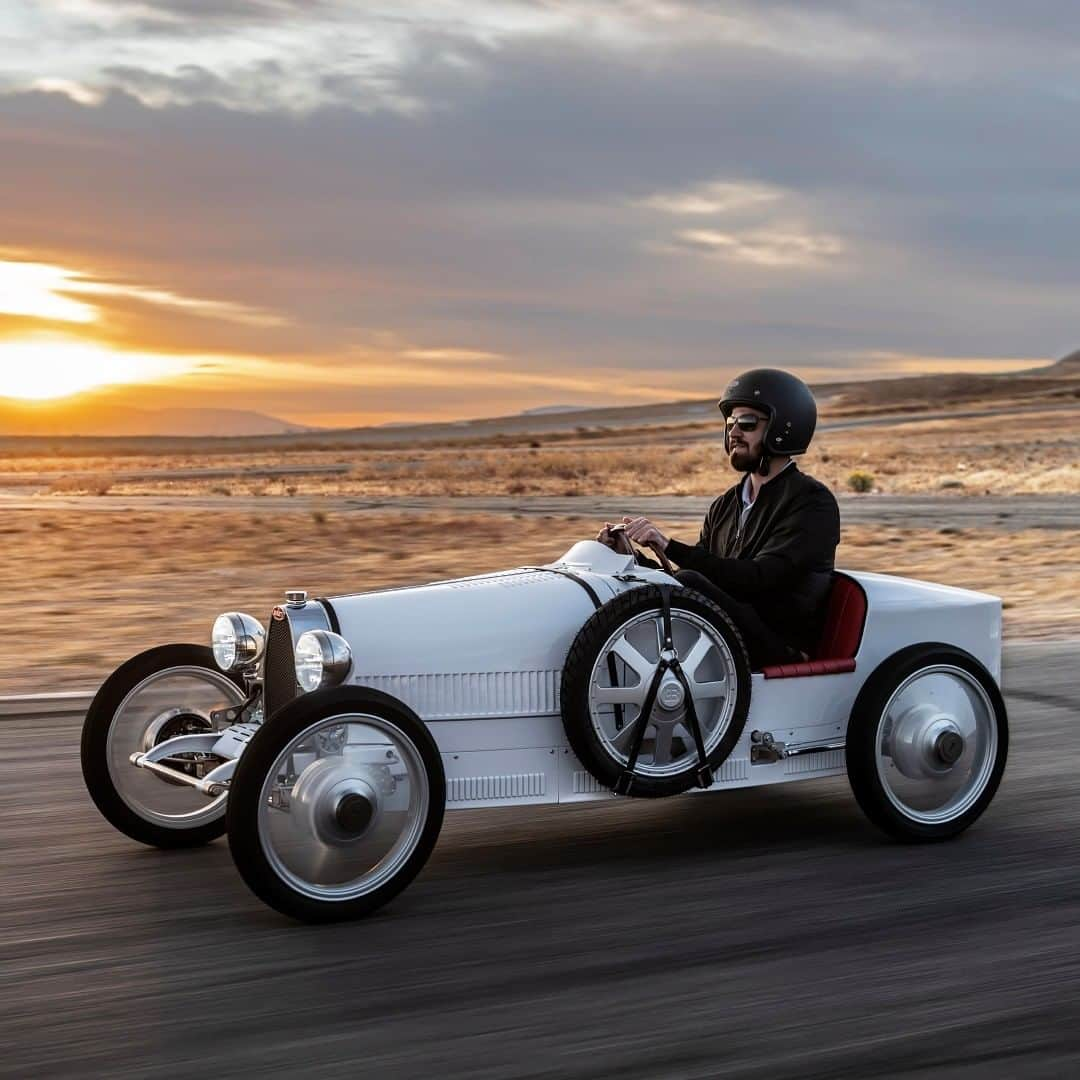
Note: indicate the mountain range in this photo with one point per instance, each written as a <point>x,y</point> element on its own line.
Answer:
<point>90,416</point>
<point>100,415</point>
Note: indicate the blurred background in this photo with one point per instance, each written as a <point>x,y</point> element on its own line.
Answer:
<point>340,296</point>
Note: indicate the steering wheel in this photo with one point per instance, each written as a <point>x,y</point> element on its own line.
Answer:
<point>665,562</point>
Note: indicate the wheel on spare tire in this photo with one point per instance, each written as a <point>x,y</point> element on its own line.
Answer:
<point>336,804</point>
<point>167,691</point>
<point>607,675</point>
<point>927,743</point>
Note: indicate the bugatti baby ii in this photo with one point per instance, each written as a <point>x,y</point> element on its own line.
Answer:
<point>330,744</point>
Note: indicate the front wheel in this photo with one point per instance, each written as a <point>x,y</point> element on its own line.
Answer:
<point>160,694</point>
<point>927,743</point>
<point>336,804</point>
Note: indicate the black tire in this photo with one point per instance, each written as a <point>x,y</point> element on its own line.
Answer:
<point>863,735</point>
<point>95,743</point>
<point>577,720</point>
<point>245,800</point>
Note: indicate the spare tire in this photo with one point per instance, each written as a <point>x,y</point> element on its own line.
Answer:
<point>607,676</point>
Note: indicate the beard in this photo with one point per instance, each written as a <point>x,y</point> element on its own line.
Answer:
<point>743,459</point>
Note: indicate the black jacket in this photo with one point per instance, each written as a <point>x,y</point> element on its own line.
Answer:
<point>782,563</point>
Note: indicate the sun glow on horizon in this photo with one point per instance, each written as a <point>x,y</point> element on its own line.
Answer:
<point>42,370</point>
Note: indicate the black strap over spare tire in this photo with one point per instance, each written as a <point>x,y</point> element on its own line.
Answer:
<point>610,744</point>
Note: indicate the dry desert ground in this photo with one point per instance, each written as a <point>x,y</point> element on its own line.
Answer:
<point>1028,452</point>
<point>87,591</point>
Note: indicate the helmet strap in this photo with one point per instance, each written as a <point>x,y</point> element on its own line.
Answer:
<point>763,467</point>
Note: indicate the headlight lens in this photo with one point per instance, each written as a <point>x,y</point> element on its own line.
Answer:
<point>238,640</point>
<point>322,659</point>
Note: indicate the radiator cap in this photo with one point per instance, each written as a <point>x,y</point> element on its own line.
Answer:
<point>296,598</point>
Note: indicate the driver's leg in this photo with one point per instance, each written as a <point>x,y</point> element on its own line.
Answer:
<point>764,645</point>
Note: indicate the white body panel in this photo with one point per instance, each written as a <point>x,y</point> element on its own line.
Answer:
<point>480,661</point>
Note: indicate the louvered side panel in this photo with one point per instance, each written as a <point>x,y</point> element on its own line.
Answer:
<point>456,695</point>
<point>501,777</point>
<point>733,769</point>
<point>808,763</point>
<point>480,788</point>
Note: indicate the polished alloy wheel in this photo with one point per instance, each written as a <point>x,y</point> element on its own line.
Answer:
<point>936,744</point>
<point>927,742</point>
<point>343,807</point>
<point>621,677</point>
<point>168,702</point>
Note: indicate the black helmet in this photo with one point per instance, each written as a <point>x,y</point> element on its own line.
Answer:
<point>788,401</point>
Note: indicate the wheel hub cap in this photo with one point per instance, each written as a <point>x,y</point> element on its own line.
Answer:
<point>671,695</point>
<point>335,802</point>
<point>354,813</point>
<point>937,744</point>
<point>949,746</point>
<point>926,741</point>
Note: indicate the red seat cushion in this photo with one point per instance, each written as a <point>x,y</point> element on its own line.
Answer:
<point>840,635</point>
<point>810,667</point>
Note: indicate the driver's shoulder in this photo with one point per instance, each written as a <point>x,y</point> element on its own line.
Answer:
<point>805,490</point>
<point>805,483</point>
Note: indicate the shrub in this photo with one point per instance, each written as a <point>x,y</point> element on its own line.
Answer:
<point>861,481</point>
<point>81,485</point>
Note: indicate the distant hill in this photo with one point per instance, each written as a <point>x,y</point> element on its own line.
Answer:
<point>82,417</point>
<point>230,430</point>
<point>545,410</point>
<point>1072,361</point>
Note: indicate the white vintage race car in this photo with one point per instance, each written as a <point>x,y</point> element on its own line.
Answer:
<point>330,744</point>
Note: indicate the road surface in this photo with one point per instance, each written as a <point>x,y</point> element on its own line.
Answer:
<point>1009,512</point>
<point>754,934</point>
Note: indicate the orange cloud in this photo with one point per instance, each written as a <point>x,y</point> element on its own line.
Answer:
<point>44,291</point>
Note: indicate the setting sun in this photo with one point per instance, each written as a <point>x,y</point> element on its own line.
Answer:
<point>39,370</point>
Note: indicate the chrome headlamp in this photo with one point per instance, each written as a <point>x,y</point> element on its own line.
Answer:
<point>322,659</point>
<point>238,641</point>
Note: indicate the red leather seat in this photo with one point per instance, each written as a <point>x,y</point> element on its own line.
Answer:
<point>840,636</point>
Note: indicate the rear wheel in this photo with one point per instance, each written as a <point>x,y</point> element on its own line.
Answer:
<point>927,743</point>
<point>336,804</point>
<point>168,691</point>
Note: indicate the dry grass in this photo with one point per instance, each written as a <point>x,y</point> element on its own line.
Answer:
<point>95,589</point>
<point>989,455</point>
<point>86,483</point>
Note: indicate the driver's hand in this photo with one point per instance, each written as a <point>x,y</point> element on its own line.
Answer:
<point>642,531</point>
<point>617,541</point>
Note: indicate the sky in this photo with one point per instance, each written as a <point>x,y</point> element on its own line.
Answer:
<point>344,213</point>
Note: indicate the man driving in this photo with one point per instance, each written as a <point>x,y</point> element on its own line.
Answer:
<point>767,545</point>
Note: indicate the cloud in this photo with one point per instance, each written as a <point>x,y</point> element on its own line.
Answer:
<point>70,88</point>
<point>208,309</point>
<point>670,188</point>
<point>901,364</point>
<point>452,356</point>
<point>47,292</point>
<point>778,249</point>
<point>717,197</point>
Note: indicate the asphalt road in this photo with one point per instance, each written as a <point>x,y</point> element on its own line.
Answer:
<point>754,934</point>
<point>914,511</point>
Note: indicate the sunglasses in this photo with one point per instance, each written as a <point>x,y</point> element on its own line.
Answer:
<point>746,422</point>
